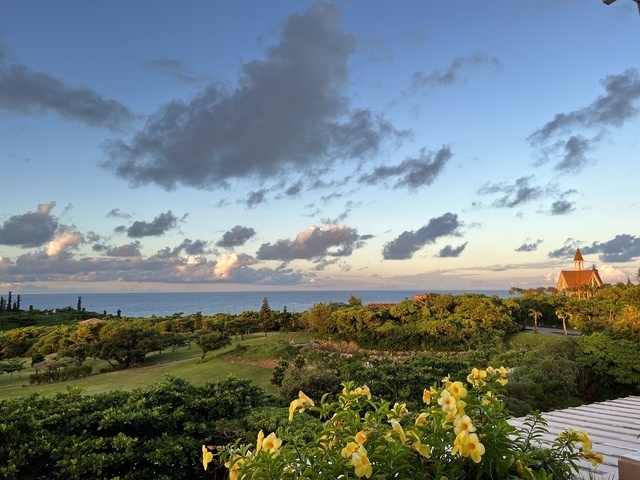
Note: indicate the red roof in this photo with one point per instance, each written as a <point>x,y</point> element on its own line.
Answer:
<point>573,278</point>
<point>578,257</point>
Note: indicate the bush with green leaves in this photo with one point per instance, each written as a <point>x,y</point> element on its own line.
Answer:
<point>461,431</point>
<point>148,433</point>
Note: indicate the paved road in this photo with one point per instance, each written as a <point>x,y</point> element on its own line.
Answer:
<point>555,331</point>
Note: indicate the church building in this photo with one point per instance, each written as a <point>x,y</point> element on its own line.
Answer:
<point>579,281</point>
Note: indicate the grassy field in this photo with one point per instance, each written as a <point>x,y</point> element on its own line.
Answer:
<point>184,363</point>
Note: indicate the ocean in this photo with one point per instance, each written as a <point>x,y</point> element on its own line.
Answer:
<point>166,304</point>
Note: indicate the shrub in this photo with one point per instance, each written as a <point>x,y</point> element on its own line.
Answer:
<point>459,433</point>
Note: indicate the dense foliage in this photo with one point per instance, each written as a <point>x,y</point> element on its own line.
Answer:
<point>155,432</point>
<point>147,433</point>
<point>459,431</point>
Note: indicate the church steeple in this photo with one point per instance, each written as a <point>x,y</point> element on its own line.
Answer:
<point>578,261</point>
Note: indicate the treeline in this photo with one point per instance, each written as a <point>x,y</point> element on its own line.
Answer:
<point>9,306</point>
<point>459,322</point>
<point>126,342</point>
<point>430,322</point>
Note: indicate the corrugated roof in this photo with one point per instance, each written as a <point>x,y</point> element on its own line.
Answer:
<point>613,427</point>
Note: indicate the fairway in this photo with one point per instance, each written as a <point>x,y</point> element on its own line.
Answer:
<point>184,363</point>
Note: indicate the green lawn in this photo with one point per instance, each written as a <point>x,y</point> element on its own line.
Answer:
<point>532,340</point>
<point>184,363</point>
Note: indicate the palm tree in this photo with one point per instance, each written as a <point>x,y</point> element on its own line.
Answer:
<point>562,315</point>
<point>535,314</point>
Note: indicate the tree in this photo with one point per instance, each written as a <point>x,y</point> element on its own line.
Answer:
<point>265,315</point>
<point>212,341</point>
<point>535,314</point>
<point>79,304</point>
<point>127,343</point>
<point>562,314</point>
<point>354,301</point>
<point>13,365</point>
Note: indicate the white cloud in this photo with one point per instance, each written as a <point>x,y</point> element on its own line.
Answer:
<point>229,262</point>
<point>62,240</point>
<point>610,274</point>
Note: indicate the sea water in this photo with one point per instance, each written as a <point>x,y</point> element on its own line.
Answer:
<point>210,303</point>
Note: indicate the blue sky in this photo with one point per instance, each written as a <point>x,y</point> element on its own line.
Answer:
<point>219,146</point>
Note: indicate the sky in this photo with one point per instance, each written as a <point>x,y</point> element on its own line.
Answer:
<point>250,145</point>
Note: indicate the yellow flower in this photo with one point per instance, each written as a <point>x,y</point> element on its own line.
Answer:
<point>476,449</point>
<point>396,427</point>
<point>271,443</point>
<point>346,392</point>
<point>400,408</point>
<point>584,438</point>
<point>457,390</point>
<point>293,407</point>
<point>477,377</point>
<point>350,449</point>
<point>299,404</point>
<point>207,456</point>
<point>234,467</point>
<point>593,458</point>
<point>364,391</point>
<point>503,376</point>
<point>447,401</point>
<point>304,399</point>
<point>446,380</point>
<point>421,448</point>
<point>361,463</point>
<point>460,444</point>
<point>468,445</point>
<point>487,399</point>
<point>463,424</point>
<point>361,437</point>
<point>427,394</point>
<point>523,470</point>
<point>259,441</point>
<point>422,418</point>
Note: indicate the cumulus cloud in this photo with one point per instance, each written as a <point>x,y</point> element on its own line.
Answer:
<point>450,251</point>
<point>622,248</point>
<point>229,262</point>
<point>512,195</point>
<point>61,241</point>
<point>452,74</point>
<point>236,237</point>
<point>288,113</point>
<point>315,242</point>
<point>26,91</point>
<point>574,158</point>
<point>529,247</point>
<point>159,226</point>
<point>31,229</point>
<point>117,213</point>
<point>412,173</point>
<point>562,207</point>
<point>566,251</point>
<point>256,198</point>
<point>409,242</point>
<point>128,250</point>
<point>613,109</point>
